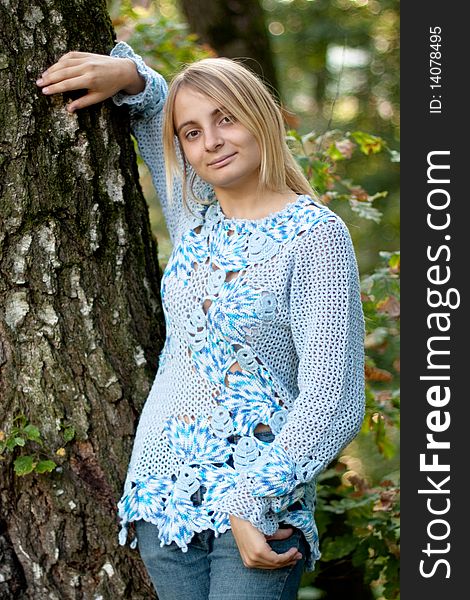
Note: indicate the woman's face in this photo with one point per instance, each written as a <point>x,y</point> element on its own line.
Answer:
<point>220,149</point>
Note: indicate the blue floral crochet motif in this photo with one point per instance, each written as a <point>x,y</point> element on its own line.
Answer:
<point>195,443</point>
<point>250,400</point>
<point>277,474</point>
<point>181,519</point>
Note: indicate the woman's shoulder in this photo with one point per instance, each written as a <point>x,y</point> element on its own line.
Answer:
<point>314,208</point>
<point>316,229</point>
<point>311,217</point>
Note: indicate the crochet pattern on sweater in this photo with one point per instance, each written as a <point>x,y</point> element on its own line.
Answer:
<point>264,325</point>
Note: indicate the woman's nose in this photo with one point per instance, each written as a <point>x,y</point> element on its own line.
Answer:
<point>213,140</point>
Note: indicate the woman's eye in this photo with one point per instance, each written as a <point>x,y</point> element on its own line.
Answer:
<point>190,135</point>
<point>227,119</point>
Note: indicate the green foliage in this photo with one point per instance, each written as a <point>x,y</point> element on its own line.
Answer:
<point>165,42</point>
<point>381,302</point>
<point>25,435</point>
<point>361,523</point>
<point>369,144</point>
<point>68,433</point>
<point>25,439</point>
<point>319,155</point>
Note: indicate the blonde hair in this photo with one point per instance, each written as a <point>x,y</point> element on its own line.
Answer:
<point>240,92</point>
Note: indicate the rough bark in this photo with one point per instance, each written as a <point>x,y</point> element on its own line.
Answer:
<point>80,315</point>
<point>234,29</point>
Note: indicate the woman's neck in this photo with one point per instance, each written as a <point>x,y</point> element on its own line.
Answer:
<point>250,205</point>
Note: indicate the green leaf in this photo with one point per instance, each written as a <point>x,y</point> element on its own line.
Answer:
<point>341,506</point>
<point>12,442</point>
<point>304,162</point>
<point>32,433</point>
<point>334,153</point>
<point>387,447</point>
<point>392,576</point>
<point>394,261</point>
<point>68,434</point>
<point>322,178</point>
<point>365,210</point>
<point>24,465</point>
<point>378,195</point>
<point>293,135</point>
<point>368,144</point>
<point>373,572</point>
<point>338,547</point>
<point>45,466</point>
<point>361,553</point>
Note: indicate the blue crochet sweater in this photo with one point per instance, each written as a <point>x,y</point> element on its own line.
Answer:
<point>264,326</point>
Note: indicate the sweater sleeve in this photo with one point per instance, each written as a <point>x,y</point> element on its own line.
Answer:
<point>146,116</point>
<point>327,326</point>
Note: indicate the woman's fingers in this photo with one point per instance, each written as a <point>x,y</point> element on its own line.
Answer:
<point>73,58</point>
<point>281,534</point>
<point>70,83</point>
<point>102,76</point>
<point>62,81</point>
<point>266,558</point>
<point>273,560</point>
<point>84,101</point>
<point>71,66</point>
<point>69,60</point>
<point>77,54</point>
<point>255,550</point>
<point>286,558</point>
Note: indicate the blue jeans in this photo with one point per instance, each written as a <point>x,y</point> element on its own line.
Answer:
<point>212,568</point>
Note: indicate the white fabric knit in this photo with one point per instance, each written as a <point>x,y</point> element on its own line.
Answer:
<point>264,324</point>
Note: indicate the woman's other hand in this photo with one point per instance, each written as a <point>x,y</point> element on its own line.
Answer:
<point>101,75</point>
<point>254,549</point>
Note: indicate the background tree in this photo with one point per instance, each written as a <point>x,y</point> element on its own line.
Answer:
<point>234,29</point>
<point>80,316</point>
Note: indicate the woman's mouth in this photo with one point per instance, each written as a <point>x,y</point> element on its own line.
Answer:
<point>220,162</point>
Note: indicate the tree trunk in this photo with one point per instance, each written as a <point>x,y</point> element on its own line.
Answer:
<point>234,29</point>
<point>80,315</point>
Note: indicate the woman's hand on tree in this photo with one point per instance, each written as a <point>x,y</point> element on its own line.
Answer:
<point>254,549</point>
<point>101,75</point>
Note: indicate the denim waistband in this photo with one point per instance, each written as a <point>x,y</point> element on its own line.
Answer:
<point>264,436</point>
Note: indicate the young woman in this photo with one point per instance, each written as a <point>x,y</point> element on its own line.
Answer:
<point>260,382</point>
